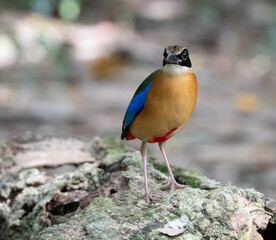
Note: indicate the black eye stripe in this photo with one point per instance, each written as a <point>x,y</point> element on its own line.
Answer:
<point>165,53</point>
<point>185,52</point>
<point>183,56</point>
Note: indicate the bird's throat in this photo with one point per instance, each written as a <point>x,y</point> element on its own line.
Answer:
<point>173,69</point>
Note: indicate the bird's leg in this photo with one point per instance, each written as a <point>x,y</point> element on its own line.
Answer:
<point>148,195</point>
<point>172,184</point>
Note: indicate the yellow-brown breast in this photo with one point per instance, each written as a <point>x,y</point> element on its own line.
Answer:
<point>169,104</point>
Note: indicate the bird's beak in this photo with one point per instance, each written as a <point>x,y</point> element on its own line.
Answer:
<point>172,59</point>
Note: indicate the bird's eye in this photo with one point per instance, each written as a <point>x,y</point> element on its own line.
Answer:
<point>185,54</point>
<point>165,53</point>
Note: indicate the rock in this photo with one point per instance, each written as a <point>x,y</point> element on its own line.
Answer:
<point>27,150</point>
<point>103,200</point>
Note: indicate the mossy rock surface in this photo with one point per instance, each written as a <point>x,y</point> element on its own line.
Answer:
<point>103,200</point>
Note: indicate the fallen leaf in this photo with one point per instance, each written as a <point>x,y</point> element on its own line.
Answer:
<point>175,227</point>
<point>171,231</point>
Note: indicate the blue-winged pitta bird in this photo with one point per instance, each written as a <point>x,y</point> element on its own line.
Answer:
<point>161,106</point>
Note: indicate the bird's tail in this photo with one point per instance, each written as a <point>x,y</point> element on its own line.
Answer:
<point>124,133</point>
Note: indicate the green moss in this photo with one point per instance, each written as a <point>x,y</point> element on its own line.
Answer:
<point>183,176</point>
<point>101,147</point>
<point>100,203</point>
<point>127,216</point>
<point>192,181</point>
<point>160,167</point>
<point>148,216</point>
<point>135,162</point>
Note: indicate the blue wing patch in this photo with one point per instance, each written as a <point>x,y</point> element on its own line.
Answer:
<point>135,106</point>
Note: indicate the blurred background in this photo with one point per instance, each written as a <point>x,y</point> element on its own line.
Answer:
<point>70,68</point>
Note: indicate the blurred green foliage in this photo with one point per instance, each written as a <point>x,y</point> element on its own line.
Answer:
<point>69,9</point>
<point>65,9</point>
<point>58,56</point>
<point>16,3</point>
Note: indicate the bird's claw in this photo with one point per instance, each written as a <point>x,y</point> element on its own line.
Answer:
<point>151,197</point>
<point>173,184</point>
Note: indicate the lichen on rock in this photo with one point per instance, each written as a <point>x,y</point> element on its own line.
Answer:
<point>103,200</point>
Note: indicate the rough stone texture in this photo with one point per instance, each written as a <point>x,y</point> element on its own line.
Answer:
<point>103,200</point>
<point>26,150</point>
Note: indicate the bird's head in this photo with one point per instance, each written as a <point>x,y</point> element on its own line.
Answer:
<point>177,55</point>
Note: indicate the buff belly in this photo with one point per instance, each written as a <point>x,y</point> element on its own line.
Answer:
<point>168,107</point>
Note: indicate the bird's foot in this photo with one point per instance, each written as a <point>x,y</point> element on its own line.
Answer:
<point>173,184</point>
<point>151,197</point>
